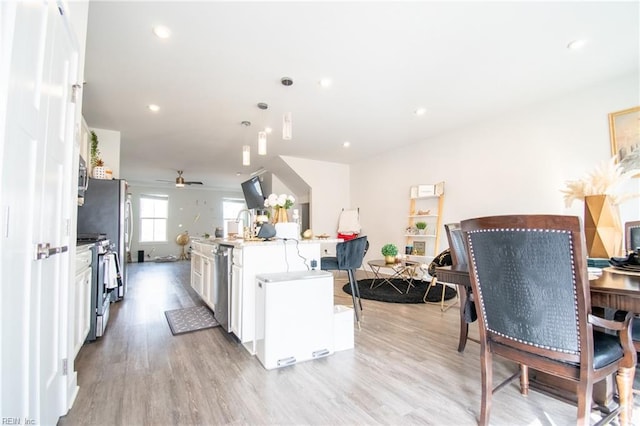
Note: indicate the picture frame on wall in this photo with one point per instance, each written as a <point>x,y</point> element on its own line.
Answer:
<point>624,131</point>
<point>419,248</point>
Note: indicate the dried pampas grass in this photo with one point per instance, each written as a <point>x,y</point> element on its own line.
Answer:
<point>601,181</point>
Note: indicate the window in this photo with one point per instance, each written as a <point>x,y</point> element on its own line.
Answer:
<point>154,211</point>
<point>230,209</point>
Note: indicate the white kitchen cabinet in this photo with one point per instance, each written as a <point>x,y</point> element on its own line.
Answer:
<point>82,298</point>
<point>207,282</point>
<point>196,271</point>
<point>201,272</point>
<point>236,297</point>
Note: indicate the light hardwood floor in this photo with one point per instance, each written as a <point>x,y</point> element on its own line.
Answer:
<point>404,370</point>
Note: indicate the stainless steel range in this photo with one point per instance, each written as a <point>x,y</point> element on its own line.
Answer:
<point>105,280</point>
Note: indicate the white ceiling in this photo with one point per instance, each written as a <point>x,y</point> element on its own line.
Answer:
<point>463,62</point>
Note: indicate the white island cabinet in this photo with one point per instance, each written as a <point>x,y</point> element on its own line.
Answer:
<point>251,258</point>
<point>201,278</point>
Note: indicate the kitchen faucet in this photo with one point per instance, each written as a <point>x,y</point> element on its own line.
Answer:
<point>249,224</point>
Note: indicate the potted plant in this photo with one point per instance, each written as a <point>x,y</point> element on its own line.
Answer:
<point>95,152</point>
<point>98,171</point>
<point>422,226</point>
<point>389,251</point>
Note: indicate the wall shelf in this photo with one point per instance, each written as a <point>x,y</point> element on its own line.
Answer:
<point>425,207</point>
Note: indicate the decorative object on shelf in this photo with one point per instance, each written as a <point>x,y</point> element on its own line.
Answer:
<point>411,230</point>
<point>625,137</point>
<point>389,251</point>
<point>280,204</point>
<point>602,228</point>
<point>99,171</point>
<point>419,248</point>
<point>434,190</point>
<point>425,220</point>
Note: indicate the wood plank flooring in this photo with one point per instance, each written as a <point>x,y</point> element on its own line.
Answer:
<point>404,370</point>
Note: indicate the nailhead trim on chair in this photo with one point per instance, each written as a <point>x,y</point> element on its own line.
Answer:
<point>573,274</point>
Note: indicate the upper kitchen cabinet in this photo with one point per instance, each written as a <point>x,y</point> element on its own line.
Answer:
<point>85,141</point>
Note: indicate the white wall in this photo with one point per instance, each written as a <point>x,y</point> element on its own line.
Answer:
<point>329,184</point>
<point>517,163</point>
<point>195,210</point>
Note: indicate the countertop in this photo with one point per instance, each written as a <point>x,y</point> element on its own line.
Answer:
<point>238,242</point>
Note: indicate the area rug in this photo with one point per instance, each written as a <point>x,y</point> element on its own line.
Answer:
<point>386,293</point>
<point>190,319</point>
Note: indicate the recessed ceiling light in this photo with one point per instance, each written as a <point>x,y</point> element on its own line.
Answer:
<point>325,82</point>
<point>420,111</point>
<point>576,44</point>
<point>268,129</point>
<point>153,108</point>
<point>161,31</point>
<point>346,144</point>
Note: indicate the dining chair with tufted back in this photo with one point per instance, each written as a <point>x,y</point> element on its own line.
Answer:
<point>531,289</point>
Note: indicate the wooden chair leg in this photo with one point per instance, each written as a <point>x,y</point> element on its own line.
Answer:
<point>524,380</point>
<point>487,381</point>
<point>464,326</point>
<point>624,380</point>
<point>585,396</point>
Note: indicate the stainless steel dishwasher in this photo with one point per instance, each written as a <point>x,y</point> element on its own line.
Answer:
<point>222,259</point>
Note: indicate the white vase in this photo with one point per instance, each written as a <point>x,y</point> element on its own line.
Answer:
<point>99,172</point>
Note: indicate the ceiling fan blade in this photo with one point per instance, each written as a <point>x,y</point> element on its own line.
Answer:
<point>193,183</point>
<point>164,180</point>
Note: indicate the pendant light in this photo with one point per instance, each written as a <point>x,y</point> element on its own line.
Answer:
<point>246,149</point>
<point>287,123</point>
<point>246,155</point>
<point>262,135</point>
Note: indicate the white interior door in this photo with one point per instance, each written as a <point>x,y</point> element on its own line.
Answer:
<point>36,177</point>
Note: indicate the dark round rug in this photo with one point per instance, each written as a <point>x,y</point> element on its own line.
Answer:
<point>386,293</point>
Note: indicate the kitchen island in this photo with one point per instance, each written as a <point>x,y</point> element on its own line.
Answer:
<point>249,258</point>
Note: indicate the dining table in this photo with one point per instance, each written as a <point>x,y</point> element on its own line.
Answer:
<point>613,289</point>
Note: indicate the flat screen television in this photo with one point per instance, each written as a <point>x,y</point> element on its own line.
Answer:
<point>253,193</point>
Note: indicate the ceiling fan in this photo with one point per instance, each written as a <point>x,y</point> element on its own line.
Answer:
<point>180,182</point>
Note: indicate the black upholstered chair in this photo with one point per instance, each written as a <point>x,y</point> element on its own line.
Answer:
<point>457,254</point>
<point>632,235</point>
<point>349,256</point>
<point>531,288</point>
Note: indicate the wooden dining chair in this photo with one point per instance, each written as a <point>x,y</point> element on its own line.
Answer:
<point>531,288</point>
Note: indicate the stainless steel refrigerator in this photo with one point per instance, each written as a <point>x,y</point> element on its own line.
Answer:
<point>107,210</point>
